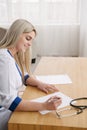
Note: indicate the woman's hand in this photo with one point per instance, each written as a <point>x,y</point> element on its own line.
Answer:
<point>46,87</point>
<point>40,85</point>
<point>52,103</point>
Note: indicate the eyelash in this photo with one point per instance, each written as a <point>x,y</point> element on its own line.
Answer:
<point>28,39</point>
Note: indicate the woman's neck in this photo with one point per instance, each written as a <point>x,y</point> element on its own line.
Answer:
<point>13,51</point>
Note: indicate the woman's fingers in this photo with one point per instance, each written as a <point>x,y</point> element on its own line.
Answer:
<point>45,90</point>
<point>54,98</point>
<point>53,103</point>
<point>47,87</point>
<point>52,88</point>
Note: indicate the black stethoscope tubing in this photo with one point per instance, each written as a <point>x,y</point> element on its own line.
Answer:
<point>79,108</point>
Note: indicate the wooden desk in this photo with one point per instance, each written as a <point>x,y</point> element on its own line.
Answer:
<point>76,68</point>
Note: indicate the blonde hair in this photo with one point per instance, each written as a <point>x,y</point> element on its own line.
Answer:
<point>11,37</point>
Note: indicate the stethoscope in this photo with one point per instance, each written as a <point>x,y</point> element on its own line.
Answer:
<point>78,108</point>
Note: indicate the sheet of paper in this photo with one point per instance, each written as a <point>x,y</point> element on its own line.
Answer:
<point>55,79</point>
<point>65,100</point>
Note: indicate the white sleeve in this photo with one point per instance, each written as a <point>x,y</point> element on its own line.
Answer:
<point>8,92</point>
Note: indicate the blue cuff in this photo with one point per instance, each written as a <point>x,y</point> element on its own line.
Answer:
<point>15,103</point>
<point>0,106</point>
<point>25,78</point>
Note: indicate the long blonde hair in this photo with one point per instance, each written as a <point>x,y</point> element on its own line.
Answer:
<point>11,37</point>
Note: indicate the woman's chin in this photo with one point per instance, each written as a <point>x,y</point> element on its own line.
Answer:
<point>23,50</point>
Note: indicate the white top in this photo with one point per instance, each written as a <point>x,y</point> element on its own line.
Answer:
<point>10,81</point>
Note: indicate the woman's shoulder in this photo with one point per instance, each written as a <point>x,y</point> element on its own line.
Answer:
<point>5,56</point>
<point>3,51</point>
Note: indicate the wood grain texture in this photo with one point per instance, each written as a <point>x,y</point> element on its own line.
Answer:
<point>76,68</point>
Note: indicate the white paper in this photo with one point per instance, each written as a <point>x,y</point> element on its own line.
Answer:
<point>55,79</point>
<point>65,100</point>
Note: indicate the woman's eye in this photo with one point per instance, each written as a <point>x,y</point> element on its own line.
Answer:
<point>28,39</point>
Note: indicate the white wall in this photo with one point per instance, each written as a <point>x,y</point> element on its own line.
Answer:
<point>57,40</point>
<point>83,29</point>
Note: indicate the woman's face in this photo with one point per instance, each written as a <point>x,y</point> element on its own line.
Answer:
<point>25,41</point>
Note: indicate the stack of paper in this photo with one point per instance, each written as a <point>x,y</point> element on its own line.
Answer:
<point>55,79</point>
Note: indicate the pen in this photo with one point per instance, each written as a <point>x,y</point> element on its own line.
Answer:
<point>54,99</point>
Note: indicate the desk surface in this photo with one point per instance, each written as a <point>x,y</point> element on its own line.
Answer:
<point>76,68</point>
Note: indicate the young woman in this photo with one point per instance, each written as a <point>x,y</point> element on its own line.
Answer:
<point>14,72</point>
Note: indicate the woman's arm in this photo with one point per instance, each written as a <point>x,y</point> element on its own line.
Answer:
<point>50,104</point>
<point>32,81</point>
<point>40,85</point>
